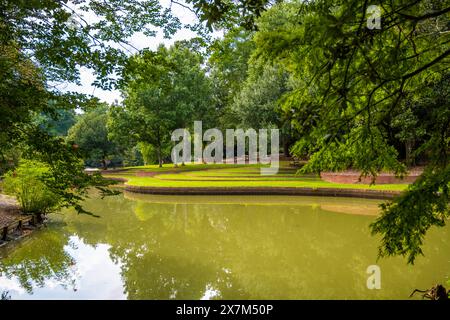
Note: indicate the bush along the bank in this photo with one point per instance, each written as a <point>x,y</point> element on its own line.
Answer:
<point>26,183</point>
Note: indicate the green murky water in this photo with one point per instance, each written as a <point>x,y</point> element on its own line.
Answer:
<point>172,247</point>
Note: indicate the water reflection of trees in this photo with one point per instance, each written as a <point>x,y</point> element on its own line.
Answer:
<point>40,258</point>
<point>178,250</point>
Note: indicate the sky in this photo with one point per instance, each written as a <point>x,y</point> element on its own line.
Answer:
<point>139,41</point>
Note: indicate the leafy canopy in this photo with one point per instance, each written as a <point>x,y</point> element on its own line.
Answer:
<point>44,43</point>
<point>158,87</point>
<point>352,87</point>
<point>90,134</point>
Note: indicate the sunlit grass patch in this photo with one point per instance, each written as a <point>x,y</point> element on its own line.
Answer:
<point>232,176</point>
<point>302,183</point>
<point>192,177</point>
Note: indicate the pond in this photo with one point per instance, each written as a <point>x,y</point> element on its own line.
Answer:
<point>228,247</point>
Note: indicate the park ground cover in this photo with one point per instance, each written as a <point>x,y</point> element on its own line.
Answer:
<point>229,176</point>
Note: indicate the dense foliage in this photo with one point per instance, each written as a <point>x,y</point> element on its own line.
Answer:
<point>27,184</point>
<point>358,93</point>
<point>158,88</point>
<point>44,43</point>
<point>90,135</point>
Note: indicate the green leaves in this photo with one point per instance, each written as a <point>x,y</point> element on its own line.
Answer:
<point>164,90</point>
<point>65,177</point>
<point>90,134</point>
<point>350,82</point>
<point>44,43</point>
<point>22,94</point>
<point>406,220</point>
<point>26,183</point>
<point>370,100</point>
<point>229,13</point>
<point>63,36</point>
<point>256,105</point>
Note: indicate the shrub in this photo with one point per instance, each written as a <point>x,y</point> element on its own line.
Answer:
<point>26,182</point>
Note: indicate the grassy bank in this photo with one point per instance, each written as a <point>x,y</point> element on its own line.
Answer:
<point>229,176</point>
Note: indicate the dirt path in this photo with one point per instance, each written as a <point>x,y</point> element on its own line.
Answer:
<point>9,210</point>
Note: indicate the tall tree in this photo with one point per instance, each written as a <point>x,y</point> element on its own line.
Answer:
<point>257,104</point>
<point>164,90</point>
<point>44,43</point>
<point>228,65</point>
<point>90,134</point>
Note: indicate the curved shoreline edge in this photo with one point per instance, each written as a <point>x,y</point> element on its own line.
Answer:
<point>322,192</point>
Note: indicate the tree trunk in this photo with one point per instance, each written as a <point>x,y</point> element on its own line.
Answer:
<point>286,147</point>
<point>408,151</point>
<point>286,141</point>
<point>159,156</point>
<point>105,167</point>
<point>38,219</point>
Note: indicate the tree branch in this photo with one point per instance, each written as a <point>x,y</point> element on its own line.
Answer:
<point>425,16</point>
<point>426,66</point>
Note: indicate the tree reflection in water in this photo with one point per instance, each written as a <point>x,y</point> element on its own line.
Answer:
<point>32,265</point>
<point>154,247</point>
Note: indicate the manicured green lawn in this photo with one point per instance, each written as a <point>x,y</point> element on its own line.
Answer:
<point>226,175</point>
<point>187,167</point>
